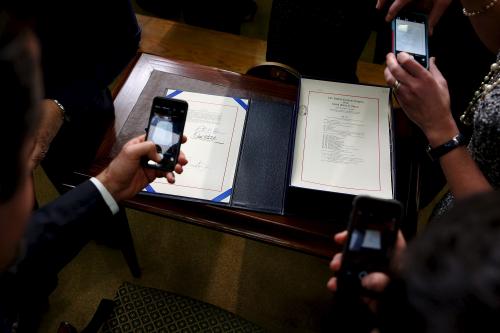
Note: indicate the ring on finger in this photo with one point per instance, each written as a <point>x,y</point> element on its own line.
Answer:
<point>396,86</point>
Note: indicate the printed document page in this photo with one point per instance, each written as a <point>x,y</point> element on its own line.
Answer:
<point>343,140</point>
<point>214,128</point>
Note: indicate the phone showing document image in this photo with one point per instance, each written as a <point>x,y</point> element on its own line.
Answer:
<point>409,34</point>
<point>372,233</point>
<point>165,129</point>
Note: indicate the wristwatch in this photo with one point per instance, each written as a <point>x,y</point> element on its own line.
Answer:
<point>457,141</point>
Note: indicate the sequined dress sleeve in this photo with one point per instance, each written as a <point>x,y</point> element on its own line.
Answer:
<point>485,142</point>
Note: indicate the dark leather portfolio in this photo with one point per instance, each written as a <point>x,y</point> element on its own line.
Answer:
<point>263,169</point>
<point>263,172</point>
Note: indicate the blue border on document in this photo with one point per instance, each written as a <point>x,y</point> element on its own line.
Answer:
<point>149,189</point>
<point>242,103</point>
<point>174,93</point>
<point>223,195</point>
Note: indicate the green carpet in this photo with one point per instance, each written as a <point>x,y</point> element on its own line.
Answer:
<point>280,290</point>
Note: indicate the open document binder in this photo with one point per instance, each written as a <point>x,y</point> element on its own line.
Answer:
<point>248,152</point>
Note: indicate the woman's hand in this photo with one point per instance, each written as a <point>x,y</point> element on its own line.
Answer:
<point>423,95</point>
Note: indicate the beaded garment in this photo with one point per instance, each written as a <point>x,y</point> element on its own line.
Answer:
<point>485,142</point>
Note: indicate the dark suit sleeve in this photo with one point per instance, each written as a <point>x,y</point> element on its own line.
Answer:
<point>55,234</point>
<point>58,231</point>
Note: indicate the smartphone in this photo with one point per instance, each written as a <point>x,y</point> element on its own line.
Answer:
<point>165,129</point>
<point>409,34</point>
<point>372,233</point>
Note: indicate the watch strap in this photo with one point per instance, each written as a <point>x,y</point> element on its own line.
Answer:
<point>437,152</point>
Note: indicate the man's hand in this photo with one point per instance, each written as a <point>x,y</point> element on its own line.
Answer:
<point>125,176</point>
<point>374,281</point>
<point>50,123</point>
<point>436,8</point>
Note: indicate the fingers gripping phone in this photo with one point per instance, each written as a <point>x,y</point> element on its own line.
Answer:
<point>372,234</point>
<point>409,34</point>
<point>165,129</point>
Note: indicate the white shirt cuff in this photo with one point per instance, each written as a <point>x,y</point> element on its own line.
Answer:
<point>108,198</point>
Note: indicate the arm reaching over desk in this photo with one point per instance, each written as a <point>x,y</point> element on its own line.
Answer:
<point>424,97</point>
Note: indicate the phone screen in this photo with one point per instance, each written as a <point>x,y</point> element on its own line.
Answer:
<point>165,133</point>
<point>165,129</point>
<point>370,242</point>
<point>410,36</point>
<point>372,235</point>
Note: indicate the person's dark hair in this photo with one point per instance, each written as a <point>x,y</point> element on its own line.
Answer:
<point>19,98</point>
<point>450,281</point>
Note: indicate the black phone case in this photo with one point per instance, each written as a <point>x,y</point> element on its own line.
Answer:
<point>171,165</point>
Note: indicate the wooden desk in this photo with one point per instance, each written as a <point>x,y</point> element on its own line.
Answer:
<point>234,53</point>
<point>224,51</point>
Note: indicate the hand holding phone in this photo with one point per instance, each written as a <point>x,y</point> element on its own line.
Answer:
<point>126,174</point>
<point>371,238</point>
<point>409,34</point>
<point>165,129</point>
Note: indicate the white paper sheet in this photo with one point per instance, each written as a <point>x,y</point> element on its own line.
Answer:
<point>214,127</point>
<point>342,140</point>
